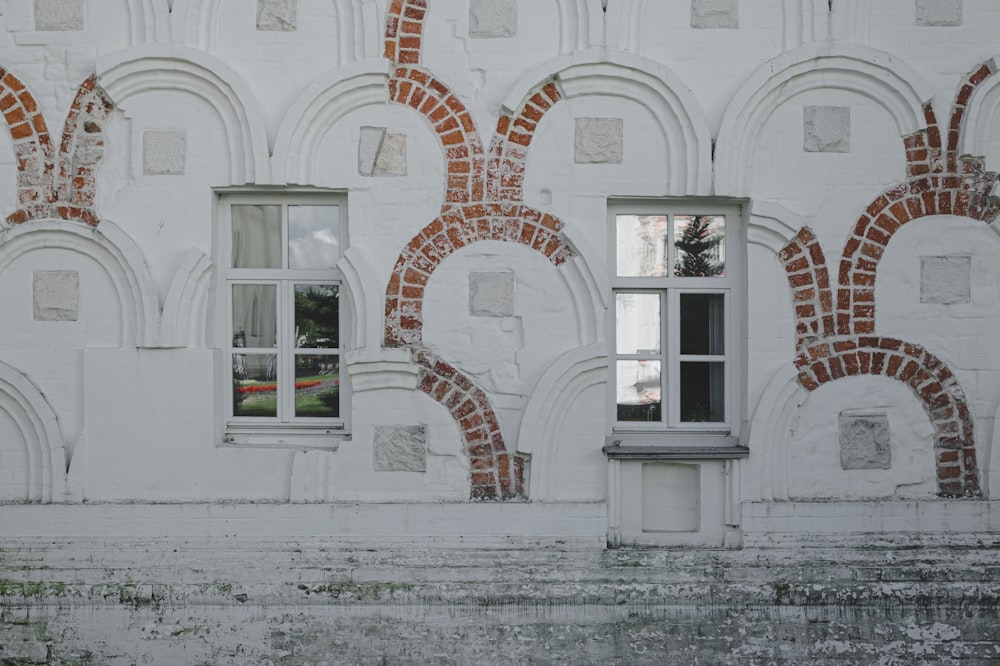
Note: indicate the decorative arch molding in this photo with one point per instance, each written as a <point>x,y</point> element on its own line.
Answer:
<point>772,225</point>
<point>113,250</point>
<point>770,426</point>
<point>174,68</point>
<point>982,111</point>
<point>39,425</point>
<point>196,22</point>
<point>185,314</point>
<point>586,286</point>
<point>327,100</point>
<point>149,21</point>
<point>876,75</point>
<point>558,388</point>
<point>645,82</point>
<point>365,305</point>
<point>581,24</point>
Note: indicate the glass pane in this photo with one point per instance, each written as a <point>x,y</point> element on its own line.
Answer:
<point>637,323</point>
<point>317,385</point>
<point>256,236</point>
<point>254,315</point>
<point>703,325</point>
<point>316,320</point>
<point>698,240</point>
<point>703,391</point>
<point>639,391</point>
<point>255,391</point>
<point>313,236</point>
<point>643,243</point>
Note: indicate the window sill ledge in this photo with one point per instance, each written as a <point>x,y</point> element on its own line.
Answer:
<point>673,446</point>
<point>322,438</point>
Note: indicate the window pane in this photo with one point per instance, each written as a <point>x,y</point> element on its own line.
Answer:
<point>703,323</point>
<point>703,391</point>
<point>643,244</point>
<point>700,247</point>
<point>638,391</point>
<point>637,323</point>
<point>316,321</point>
<point>317,385</point>
<point>255,391</point>
<point>313,236</point>
<point>254,315</point>
<point>256,236</point>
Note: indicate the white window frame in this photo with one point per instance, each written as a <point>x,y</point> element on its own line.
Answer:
<point>670,430</point>
<point>284,430</point>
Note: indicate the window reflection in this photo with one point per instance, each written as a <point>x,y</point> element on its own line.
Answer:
<point>313,236</point>
<point>643,245</point>
<point>255,389</point>
<point>699,246</point>
<point>256,236</point>
<point>639,393</point>
<point>316,316</point>
<point>317,385</point>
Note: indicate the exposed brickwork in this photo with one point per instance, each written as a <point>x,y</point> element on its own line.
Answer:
<point>509,148</point>
<point>63,185</point>
<point>927,376</point>
<point>32,147</point>
<point>455,228</point>
<point>495,473</point>
<point>482,201</point>
<point>454,128</point>
<point>835,342</point>
<point>404,26</point>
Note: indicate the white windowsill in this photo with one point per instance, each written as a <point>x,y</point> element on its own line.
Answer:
<point>327,438</point>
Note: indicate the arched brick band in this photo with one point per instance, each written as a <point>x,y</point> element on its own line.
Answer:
<point>453,125</point>
<point>456,228</point>
<point>61,186</point>
<point>32,147</point>
<point>481,202</point>
<point>403,30</point>
<point>931,382</point>
<point>509,147</point>
<point>805,267</point>
<point>495,473</point>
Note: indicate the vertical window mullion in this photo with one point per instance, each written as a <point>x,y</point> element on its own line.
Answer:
<point>671,351</point>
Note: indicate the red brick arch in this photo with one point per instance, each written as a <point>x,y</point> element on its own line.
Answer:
<point>483,201</point>
<point>836,340</point>
<point>62,184</point>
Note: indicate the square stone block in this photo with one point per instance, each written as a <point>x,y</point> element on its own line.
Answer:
<point>163,152</point>
<point>391,159</point>
<point>865,441</point>
<point>827,129</point>
<point>277,15</point>
<point>491,294</point>
<point>715,14</point>
<point>599,141</point>
<point>56,295</point>
<point>946,279</point>
<point>939,12</point>
<point>401,448</point>
<point>58,15</point>
<point>492,18</point>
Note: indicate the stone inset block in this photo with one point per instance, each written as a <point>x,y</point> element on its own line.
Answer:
<point>52,15</point>
<point>492,18</point>
<point>163,152</point>
<point>939,12</point>
<point>946,279</point>
<point>56,295</point>
<point>381,153</point>
<point>599,141</point>
<point>277,15</point>
<point>671,497</point>
<point>827,129</point>
<point>401,448</point>
<point>491,294</point>
<point>865,440</point>
<point>715,14</point>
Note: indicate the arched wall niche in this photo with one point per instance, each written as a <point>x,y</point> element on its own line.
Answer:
<point>873,74</point>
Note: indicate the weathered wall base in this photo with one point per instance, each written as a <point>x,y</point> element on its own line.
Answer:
<point>253,584</point>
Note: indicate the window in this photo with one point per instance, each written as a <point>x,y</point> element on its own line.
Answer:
<point>281,299</point>
<point>675,269</point>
